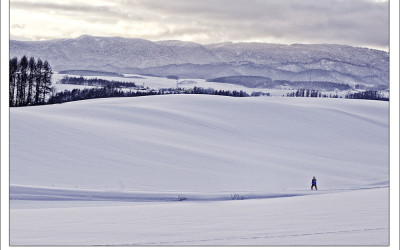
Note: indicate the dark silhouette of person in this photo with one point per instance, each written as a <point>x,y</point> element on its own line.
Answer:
<point>314,183</point>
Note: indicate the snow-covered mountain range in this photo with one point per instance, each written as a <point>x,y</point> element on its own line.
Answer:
<point>297,62</point>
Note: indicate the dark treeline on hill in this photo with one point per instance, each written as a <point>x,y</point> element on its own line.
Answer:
<point>265,82</point>
<point>95,82</point>
<point>173,77</point>
<point>306,93</point>
<point>90,73</point>
<point>29,81</point>
<point>248,81</point>
<point>88,93</point>
<point>369,95</point>
<point>327,86</point>
<point>367,88</point>
<point>112,91</point>
<point>210,91</point>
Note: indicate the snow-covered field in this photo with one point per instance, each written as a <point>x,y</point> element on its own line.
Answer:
<point>112,172</point>
<point>348,218</point>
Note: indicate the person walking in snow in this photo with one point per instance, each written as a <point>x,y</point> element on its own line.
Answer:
<point>314,183</point>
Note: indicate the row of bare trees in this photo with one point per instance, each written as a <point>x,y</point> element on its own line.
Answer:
<point>30,81</point>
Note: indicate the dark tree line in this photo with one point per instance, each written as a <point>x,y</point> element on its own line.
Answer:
<point>112,91</point>
<point>210,91</point>
<point>247,81</point>
<point>95,82</point>
<point>305,93</point>
<point>92,93</point>
<point>369,95</point>
<point>266,82</point>
<point>29,81</point>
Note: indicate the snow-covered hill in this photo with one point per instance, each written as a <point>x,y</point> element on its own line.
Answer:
<point>323,62</point>
<point>163,149</point>
<point>201,143</point>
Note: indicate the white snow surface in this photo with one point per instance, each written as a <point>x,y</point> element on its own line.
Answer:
<point>111,172</point>
<point>349,218</point>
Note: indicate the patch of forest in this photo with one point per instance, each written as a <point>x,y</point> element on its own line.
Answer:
<point>95,82</point>
<point>266,82</point>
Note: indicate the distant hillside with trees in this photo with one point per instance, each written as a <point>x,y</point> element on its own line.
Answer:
<point>265,82</point>
<point>247,81</point>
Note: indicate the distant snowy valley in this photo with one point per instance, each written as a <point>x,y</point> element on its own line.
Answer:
<point>157,83</point>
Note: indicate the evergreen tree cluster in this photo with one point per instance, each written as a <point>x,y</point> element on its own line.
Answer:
<point>95,82</point>
<point>369,95</point>
<point>29,81</point>
<point>210,91</point>
<point>305,93</point>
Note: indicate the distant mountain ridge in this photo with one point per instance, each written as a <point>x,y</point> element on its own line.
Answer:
<point>298,62</point>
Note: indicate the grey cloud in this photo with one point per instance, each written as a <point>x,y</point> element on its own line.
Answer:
<point>85,12</point>
<point>355,22</point>
<point>56,6</point>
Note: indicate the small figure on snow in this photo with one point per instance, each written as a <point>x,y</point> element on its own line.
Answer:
<point>314,183</point>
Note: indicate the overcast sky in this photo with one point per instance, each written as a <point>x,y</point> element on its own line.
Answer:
<point>353,22</point>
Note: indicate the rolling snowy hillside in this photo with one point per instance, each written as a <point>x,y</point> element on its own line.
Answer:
<point>323,62</point>
<point>201,143</point>
<point>111,172</point>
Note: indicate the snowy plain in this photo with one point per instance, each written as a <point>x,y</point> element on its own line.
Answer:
<point>162,170</point>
